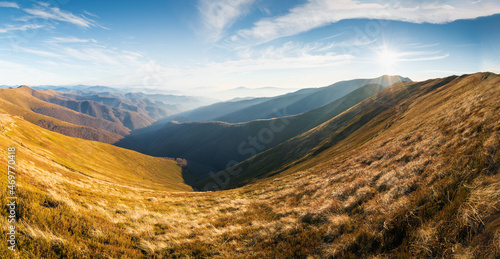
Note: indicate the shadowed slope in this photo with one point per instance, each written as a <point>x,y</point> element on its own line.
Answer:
<point>357,125</point>
<point>306,99</point>
<point>218,145</point>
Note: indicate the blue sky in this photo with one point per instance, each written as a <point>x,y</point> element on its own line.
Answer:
<point>186,45</point>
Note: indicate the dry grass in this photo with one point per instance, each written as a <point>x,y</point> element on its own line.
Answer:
<point>405,193</point>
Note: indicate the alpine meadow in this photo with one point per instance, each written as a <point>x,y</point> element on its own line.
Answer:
<point>250,129</point>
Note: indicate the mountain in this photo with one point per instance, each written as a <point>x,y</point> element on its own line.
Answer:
<point>399,110</point>
<point>214,111</point>
<point>184,102</point>
<point>125,117</point>
<point>288,104</point>
<point>410,172</point>
<point>64,189</point>
<point>21,102</point>
<point>216,145</point>
<point>305,99</point>
<point>143,106</point>
<point>155,103</point>
<point>245,92</point>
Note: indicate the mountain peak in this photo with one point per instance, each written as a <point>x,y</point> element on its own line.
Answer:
<point>25,88</point>
<point>396,77</point>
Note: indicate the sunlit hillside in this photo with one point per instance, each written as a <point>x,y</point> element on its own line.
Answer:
<point>70,191</point>
<point>409,172</point>
<point>21,102</point>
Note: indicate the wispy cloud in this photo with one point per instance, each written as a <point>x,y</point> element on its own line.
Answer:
<point>39,52</point>
<point>220,14</point>
<point>57,40</point>
<point>415,55</point>
<point>45,11</point>
<point>9,5</point>
<point>419,57</point>
<point>318,13</point>
<point>86,52</point>
<point>24,27</point>
<point>291,55</point>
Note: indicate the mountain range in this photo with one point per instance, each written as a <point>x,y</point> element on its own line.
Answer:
<point>407,170</point>
<point>292,103</point>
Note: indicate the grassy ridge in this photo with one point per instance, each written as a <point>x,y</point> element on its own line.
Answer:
<point>68,188</point>
<point>197,141</point>
<point>21,102</point>
<point>414,175</point>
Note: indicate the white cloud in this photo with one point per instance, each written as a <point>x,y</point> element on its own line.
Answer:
<point>221,14</point>
<point>303,61</point>
<point>44,11</point>
<point>9,5</point>
<point>406,57</point>
<point>57,40</point>
<point>412,56</point>
<point>38,52</point>
<point>291,55</point>
<point>23,27</point>
<point>318,13</point>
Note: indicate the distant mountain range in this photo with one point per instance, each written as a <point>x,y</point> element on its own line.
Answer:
<point>242,92</point>
<point>85,113</point>
<point>214,145</point>
<point>289,104</point>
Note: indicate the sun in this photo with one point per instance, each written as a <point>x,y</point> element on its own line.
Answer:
<point>387,58</point>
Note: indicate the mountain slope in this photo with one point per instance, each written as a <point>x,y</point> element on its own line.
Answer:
<point>127,118</point>
<point>270,107</point>
<point>410,172</point>
<point>67,190</point>
<point>214,111</point>
<point>217,145</point>
<point>304,100</point>
<point>418,179</point>
<point>367,120</point>
<point>18,101</point>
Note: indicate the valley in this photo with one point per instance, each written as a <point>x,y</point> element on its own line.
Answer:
<point>406,170</point>
<point>230,129</point>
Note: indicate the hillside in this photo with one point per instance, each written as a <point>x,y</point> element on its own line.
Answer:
<point>130,119</point>
<point>19,101</point>
<point>217,145</point>
<point>68,188</point>
<point>411,172</point>
<point>288,104</point>
<point>214,111</point>
<point>385,177</point>
<point>305,99</point>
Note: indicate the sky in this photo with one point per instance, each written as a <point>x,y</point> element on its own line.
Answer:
<point>191,45</point>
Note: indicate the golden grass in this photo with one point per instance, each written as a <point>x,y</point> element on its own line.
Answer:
<point>426,186</point>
